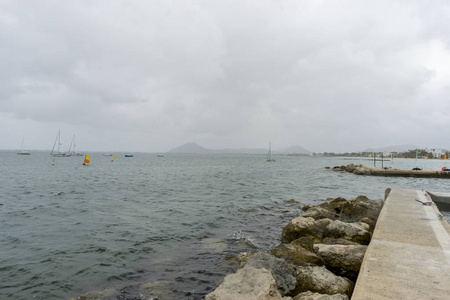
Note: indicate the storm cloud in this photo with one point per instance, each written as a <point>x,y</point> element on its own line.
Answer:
<point>151,75</point>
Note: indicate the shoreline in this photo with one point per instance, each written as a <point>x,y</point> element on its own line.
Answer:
<point>320,254</point>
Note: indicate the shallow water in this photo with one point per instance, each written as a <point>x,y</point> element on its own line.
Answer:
<point>68,229</point>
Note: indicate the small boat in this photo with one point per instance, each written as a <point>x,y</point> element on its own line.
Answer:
<point>58,152</point>
<point>22,152</point>
<point>107,154</point>
<point>269,155</point>
<point>442,200</point>
<point>160,155</point>
<point>129,155</point>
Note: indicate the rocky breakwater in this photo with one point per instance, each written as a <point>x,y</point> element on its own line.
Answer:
<point>352,168</point>
<point>319,257</point>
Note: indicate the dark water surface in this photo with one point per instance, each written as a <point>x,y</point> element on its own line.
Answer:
<point>176,221</point>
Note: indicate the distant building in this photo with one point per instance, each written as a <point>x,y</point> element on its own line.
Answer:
<point>437,153</point>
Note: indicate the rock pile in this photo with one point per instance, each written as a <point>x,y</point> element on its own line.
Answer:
<point>351,168</point>
<point>319,257</point>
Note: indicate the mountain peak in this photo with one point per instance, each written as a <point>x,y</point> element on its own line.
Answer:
<point>189,148</point>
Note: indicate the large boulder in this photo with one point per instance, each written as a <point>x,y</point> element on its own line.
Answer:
<point>355,232</point>
<point>335,205</point>
<point>343,260</point>
<point>296,254</point>
<point>320,280</point>
<point>362,207</point>
<point>333,241</point>
<point>323,228</point>
<point>305,242</point>
<point>318,212</point>
<point>308,227</point>
<point>317,296</point>
<point>278,267</point>
<point>247,284</point>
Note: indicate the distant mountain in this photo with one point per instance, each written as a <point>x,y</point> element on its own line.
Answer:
<point>398,148</point>
<point>190,148</point>
<point>297,149</point>
<point>195,148</point>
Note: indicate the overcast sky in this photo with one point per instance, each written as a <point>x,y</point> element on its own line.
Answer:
<point>149,76</point>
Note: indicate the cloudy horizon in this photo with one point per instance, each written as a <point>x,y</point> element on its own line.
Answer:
<point>148,76</point>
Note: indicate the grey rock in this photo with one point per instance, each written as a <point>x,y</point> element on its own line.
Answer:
<point>355,232</point>
<point>247,284</point>
<point>320,280</point>
<point>278,267</point>
<point>343,260</point>
<point>295,254</point>
<point>318,212</point>
<point>317,296</point>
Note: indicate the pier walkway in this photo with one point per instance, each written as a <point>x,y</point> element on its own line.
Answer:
<point>409,255</point>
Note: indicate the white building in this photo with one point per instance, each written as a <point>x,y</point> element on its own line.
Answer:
<point>437,153</point>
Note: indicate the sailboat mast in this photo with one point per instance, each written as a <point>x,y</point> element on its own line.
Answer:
<point>59,140</point>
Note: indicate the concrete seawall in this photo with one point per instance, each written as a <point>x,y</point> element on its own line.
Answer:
<point>409,255</point>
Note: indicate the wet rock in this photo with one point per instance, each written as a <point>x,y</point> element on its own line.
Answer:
<point>335,205</point>
<point>320,229</point>
<point>317,296</point>
<point>306,207</point>
<point>333,241</point>
<point>343,260</point>
<point>305,242</point>
<point>301,226</point>
<point>320,213</point>
<point>278,267</point>
<point>157,289</point>
<point>320,280</point>
<point>295,254</point>
<point>247,284</point>
<point>362,209</point>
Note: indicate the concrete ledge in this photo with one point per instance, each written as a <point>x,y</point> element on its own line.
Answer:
<point>408,173</point>
<point>409,255</point>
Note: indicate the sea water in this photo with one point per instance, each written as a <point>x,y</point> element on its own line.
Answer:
<point>174,221</point>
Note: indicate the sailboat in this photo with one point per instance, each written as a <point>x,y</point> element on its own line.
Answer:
<point>58,152</point>
<point>23,152</point>
<point>269,154</point>
<point>74,153</point>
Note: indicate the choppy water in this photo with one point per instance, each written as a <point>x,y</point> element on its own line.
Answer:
<point>69,229</point>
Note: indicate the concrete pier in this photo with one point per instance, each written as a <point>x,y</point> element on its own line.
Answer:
<point>408,173</point>
<point>409,255</point>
